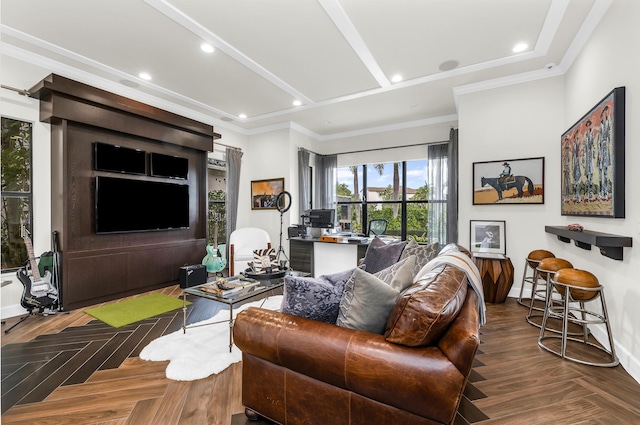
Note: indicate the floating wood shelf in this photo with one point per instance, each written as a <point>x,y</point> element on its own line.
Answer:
<point>610,245</point>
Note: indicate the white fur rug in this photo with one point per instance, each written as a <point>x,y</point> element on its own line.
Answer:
<point>204,350</point>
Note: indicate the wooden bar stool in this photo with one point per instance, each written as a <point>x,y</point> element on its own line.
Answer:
<point>576,287</point>
<point>546,268</point>
<point>530,264</point>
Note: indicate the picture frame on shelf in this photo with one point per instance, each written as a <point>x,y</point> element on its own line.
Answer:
<point>509,182</point>
<point>592,161</point>
<point>265,192</point>
<point>488,238</point>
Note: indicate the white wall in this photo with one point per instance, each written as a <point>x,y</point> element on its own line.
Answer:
<point>13,105</point>
<point>608,60</point>
<point>526,120</point>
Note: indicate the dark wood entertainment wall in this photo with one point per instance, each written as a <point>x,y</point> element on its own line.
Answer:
<point>102,267</point>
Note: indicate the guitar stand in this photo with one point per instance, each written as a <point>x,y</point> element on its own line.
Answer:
<point>44,311</point>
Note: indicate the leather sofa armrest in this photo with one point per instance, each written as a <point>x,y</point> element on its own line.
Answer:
<point>462,339</point>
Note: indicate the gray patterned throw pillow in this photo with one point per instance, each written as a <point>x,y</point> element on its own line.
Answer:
<point>423,253</point>
<point>315,298</point>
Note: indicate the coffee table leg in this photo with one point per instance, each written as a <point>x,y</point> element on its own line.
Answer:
<point>230,327</point>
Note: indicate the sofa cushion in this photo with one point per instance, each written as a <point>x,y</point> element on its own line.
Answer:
<point>423,253</point>
<point>368,299</point>
<point>315,298</point>
<point>426,309</point>
<point>381,255</point>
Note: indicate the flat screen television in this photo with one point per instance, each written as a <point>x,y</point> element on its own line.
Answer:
<point>168,166</point>
<point>119,159</point>
<point>322,219</point>
<point>127,205</point>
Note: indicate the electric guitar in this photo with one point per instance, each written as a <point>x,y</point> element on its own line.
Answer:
<point>38,292</point>
<point>214,260</point>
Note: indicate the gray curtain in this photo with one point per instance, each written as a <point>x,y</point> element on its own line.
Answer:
<point>452,195</point>
<point>437,179</point>
<point>326,181</point>
<point>303,180</point>
<point>234,162</point>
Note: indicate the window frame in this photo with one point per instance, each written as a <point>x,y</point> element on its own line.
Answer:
<point>403,202</point>
<point>28,195</point>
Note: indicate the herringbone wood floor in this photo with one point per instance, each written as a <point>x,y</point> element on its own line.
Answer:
<point>75,370</point>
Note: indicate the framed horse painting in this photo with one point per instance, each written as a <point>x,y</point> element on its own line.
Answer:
<point>592,153</point>
<point>509,181</point>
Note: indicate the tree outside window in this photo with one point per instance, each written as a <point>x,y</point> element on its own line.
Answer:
<point>16,190</point>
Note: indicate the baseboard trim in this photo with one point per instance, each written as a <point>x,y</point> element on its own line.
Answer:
<point>12,311</point>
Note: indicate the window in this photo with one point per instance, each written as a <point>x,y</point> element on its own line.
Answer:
<point>217,204</point>
<point>16,190</point>
<point>397,192</point>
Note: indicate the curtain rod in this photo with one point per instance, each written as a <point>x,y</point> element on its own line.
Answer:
<point>393,147</point>
<point>226,146</point>
<point>20,91</point>
<point>384,148</point>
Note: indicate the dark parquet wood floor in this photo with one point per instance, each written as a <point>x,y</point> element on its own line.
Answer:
<point>71,369</point>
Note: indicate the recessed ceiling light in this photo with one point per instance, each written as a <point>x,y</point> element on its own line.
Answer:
<point>242,116</point>
<point>396,78</point>
<point>297,103</point>
<point>144,76</point>
<point>206,47</point>
<point>521,47</point>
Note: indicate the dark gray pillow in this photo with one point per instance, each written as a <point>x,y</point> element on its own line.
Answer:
<point>315,298</point>
<point>423,253</point>
<point>381,255</point>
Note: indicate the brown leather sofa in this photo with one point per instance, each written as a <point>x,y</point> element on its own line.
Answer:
<point>301,371</point>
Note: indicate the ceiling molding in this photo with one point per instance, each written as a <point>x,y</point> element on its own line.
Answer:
<point>345,26</point>
<point>551,25</point>
<point>589,25</point>
<point>594,17</point>
<point>189,24</point>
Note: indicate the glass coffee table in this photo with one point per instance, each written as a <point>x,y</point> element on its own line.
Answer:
<point>253,289</point>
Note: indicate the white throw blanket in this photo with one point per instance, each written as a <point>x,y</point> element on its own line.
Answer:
<point>464,263</point>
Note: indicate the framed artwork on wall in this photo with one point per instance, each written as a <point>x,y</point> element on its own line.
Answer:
<point>508,181</point>
<point>488,238</point>
<point>592,160</point>
<point>265,192</point>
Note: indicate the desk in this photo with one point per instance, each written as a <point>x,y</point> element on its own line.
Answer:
<point>316,257</point>
<point>497,277</point>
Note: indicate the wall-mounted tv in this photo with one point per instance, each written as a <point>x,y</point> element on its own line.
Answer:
<point>168,166</point>
<point>128,205</point>
<point>119,159</point>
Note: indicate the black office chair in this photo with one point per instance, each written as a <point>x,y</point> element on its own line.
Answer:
<point>377,227</point>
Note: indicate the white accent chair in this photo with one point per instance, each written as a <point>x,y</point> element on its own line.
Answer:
<point>242,243</point>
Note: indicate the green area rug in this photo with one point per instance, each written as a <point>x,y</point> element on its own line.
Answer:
<point>133,310</point>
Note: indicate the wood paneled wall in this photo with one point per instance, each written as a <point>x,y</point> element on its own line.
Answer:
<point>101,267</point>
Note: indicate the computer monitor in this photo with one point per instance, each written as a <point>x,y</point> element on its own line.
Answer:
<point>321,219</point>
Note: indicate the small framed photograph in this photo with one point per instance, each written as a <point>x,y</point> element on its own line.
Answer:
<point>488,238</point>
<point>265,192</point>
